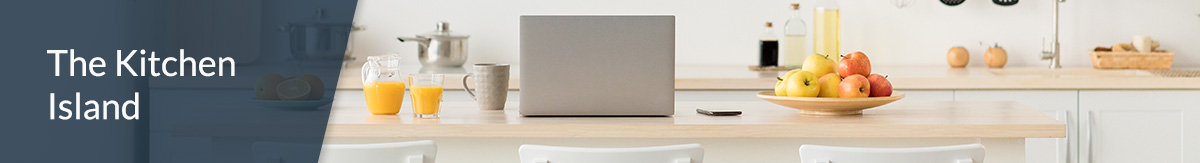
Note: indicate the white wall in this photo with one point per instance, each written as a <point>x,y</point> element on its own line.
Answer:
<point>725,31</point>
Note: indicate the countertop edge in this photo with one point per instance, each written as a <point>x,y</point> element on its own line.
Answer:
<point>698,131</point>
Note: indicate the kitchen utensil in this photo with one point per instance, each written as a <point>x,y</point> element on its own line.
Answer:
<point>441,47</point>
<point>318,38</point>
<point>952,2</point>
<point>1006,2</point>
<point>491,85</point>
<point>383,84</point>
<point>829,105</point>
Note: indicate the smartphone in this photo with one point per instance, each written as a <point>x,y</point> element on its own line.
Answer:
<point>719,112</point>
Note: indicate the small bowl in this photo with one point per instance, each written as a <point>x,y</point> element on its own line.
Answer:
<point>830,105</point>
<point>293,105</point>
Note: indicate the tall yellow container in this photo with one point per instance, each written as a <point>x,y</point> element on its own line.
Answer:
<point>826,25</point>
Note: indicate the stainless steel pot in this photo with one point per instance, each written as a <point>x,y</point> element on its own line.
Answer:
<point>441,47</point>
<point>319,39</point>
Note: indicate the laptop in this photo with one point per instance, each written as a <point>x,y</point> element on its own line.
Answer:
<point>597,65</point>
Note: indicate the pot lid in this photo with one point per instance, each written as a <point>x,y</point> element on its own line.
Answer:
<point>443,32</point>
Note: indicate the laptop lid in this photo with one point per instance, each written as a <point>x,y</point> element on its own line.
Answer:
<point>597,65</point>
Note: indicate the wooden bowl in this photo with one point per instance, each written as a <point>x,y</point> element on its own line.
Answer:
<point>829,105</point>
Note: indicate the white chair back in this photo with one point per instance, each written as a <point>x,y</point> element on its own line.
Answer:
<point>400,152</point>
<point>684,153</point>
<point>969,153</point>
<point>281,152</point>
<point>423,151</point>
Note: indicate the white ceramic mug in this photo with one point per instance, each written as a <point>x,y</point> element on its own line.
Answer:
<point>491,85</point>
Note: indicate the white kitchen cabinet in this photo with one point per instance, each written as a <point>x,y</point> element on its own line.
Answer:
<point>1121,126</point>
<point>1059,104</point>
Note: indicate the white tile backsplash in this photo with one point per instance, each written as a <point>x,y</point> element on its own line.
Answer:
<point>725,31</point>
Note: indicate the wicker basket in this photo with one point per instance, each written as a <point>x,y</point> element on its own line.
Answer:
<point>1132,60</point>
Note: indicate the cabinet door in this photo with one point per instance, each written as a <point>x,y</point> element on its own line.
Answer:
<point>1139,126</point>
<point>1059,104</point>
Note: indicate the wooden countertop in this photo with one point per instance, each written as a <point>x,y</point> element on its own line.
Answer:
<point>717,77</point>
<point>760,120</point>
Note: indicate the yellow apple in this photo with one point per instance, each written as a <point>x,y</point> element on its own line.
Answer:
<point>780,86</point>
<point>819,65</point>
<point>802,84</point>
<point>829,85</point>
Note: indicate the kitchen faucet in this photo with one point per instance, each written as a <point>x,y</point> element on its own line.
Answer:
<point>1055,54</point>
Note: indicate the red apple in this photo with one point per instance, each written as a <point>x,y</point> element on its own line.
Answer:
<point>854,86</point>
<point>880,86</point>
<point>854,63</point>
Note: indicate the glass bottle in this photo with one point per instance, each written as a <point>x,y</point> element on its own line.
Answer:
<point>826,22</point>
<point>768,48</point>
<point>795,39</point>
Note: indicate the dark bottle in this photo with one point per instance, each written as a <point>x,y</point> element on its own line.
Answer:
<point>768,48</point>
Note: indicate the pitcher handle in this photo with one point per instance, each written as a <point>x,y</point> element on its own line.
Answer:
<point>468,89</point>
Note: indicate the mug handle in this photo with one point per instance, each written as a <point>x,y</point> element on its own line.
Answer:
<point>468,89</point>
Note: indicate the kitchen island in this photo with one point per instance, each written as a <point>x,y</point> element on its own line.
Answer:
<point>1096,105</point>
<point>764,133</point>
<point>1110,116</point>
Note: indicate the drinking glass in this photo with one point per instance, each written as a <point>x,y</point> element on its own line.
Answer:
<point>426,92</point>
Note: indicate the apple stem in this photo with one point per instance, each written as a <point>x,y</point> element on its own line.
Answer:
<point>780,79</point>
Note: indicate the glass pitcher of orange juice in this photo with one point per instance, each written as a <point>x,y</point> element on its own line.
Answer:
<point>383,84</point>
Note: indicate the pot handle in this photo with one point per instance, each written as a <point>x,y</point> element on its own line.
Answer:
<point>420,40</point>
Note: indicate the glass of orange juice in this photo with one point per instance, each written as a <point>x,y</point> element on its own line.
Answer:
<point>426,93</point>
<point>383,85</point>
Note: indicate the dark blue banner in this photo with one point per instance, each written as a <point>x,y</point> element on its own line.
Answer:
<point>169,80</point>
